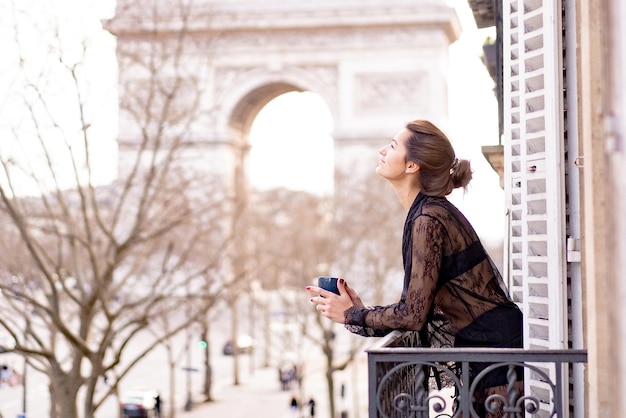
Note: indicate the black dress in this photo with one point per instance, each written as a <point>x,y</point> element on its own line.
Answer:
<point>453,294</point>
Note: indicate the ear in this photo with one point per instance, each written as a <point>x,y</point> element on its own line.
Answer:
<point>412,167</point>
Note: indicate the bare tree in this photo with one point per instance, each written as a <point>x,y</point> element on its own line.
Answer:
<point>368,223</point>
<point>367,227</point>
<point>355,234</point>
<point>93,266</point>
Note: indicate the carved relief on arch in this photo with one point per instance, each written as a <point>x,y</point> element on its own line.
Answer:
<point>227,77</point>
<point>327,77</point>
<point>325,39</point>
<point>388,91</point>
<point>232,84</point>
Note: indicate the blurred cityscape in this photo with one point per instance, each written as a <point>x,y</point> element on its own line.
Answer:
<point>137,259</point>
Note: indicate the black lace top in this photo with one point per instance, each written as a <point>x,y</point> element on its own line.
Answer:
<point>449,282</point>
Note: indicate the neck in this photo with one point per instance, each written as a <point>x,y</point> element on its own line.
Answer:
<point>406,193</point>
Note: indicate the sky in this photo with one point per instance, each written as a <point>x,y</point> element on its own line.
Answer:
<point>272,139</point>
<point>473,123</point>
<point>39,42</point>
<point>472,116</point>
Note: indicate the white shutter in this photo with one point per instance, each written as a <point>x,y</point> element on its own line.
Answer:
<point>534,172</point>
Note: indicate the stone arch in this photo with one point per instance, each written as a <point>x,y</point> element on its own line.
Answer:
<point>376,64</point>
<point>246,94</point>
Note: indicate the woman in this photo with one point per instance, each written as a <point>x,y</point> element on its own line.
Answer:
<point>453,293</point>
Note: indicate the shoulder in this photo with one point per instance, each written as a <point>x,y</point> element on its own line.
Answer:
<point>438,207</point>
<point>445,213</point>
<point>434,210</point>
<point>440,211</point>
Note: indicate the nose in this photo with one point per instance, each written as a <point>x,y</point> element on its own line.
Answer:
<point>383,150</point>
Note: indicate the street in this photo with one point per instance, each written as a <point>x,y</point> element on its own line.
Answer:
<point>151,373</point>
<point>259,392</point>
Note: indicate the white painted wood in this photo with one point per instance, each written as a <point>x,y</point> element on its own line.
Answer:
<point>534,174</point>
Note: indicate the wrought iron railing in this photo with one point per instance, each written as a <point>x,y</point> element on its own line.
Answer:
<point>401,382</point>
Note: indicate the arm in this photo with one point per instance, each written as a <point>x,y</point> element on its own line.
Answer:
<point>411,312</point>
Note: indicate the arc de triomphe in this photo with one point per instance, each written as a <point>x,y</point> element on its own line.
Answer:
<point>376,63</point>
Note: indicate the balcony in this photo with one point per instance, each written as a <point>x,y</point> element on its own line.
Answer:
<point>398,384</point>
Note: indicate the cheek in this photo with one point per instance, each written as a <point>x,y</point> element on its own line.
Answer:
<point>391,168</point>
<point>396,161</point>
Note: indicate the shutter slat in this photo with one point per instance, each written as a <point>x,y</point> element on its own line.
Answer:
<point>533,132</point>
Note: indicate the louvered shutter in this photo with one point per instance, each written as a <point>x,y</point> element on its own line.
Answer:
<point>534,173</point>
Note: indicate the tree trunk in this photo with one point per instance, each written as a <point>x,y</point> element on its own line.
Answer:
<point>234,334</point>
<point>172,372</point>
<point>267,333</point>
<point>63,394</point>
<point>208,374</point>
<point>89,396</point>
<point>331,391</point>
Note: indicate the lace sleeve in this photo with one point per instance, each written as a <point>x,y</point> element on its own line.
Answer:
<point>356,315</point>
<point>411,312</point>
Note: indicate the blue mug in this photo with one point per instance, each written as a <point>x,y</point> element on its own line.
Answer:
<point>328,283</point>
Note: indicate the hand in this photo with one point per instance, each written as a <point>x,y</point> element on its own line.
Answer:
<point>333,306</point>
<point>354,296</point>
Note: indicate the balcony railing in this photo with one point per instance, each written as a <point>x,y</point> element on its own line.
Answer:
<point>399,380</point>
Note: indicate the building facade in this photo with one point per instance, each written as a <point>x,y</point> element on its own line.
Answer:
<point>563,133</point>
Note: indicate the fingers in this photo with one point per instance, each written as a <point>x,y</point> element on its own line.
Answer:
<point>354,297</point>
<point>348,290</point>
<point>313,289</point>
<point>342,286</point>
<point>320,306</point>
<point>325,299</point>
<point>319,291</point>
<point>351,292</point>
<point>318,300</point>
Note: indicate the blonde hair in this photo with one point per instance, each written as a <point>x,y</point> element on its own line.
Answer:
<point>430,148</point>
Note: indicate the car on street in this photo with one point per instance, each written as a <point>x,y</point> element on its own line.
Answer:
<point>245,345</point>
<point>138,403</point>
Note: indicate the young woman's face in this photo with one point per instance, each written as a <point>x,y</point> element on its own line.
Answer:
<point>393,162</point>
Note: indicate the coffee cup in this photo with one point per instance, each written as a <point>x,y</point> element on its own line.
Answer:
<point>328,283</point>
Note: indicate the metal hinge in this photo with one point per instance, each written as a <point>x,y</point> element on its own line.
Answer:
<point>573,250</point>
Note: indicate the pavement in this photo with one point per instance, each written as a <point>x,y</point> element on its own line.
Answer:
<point>259,395</point>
